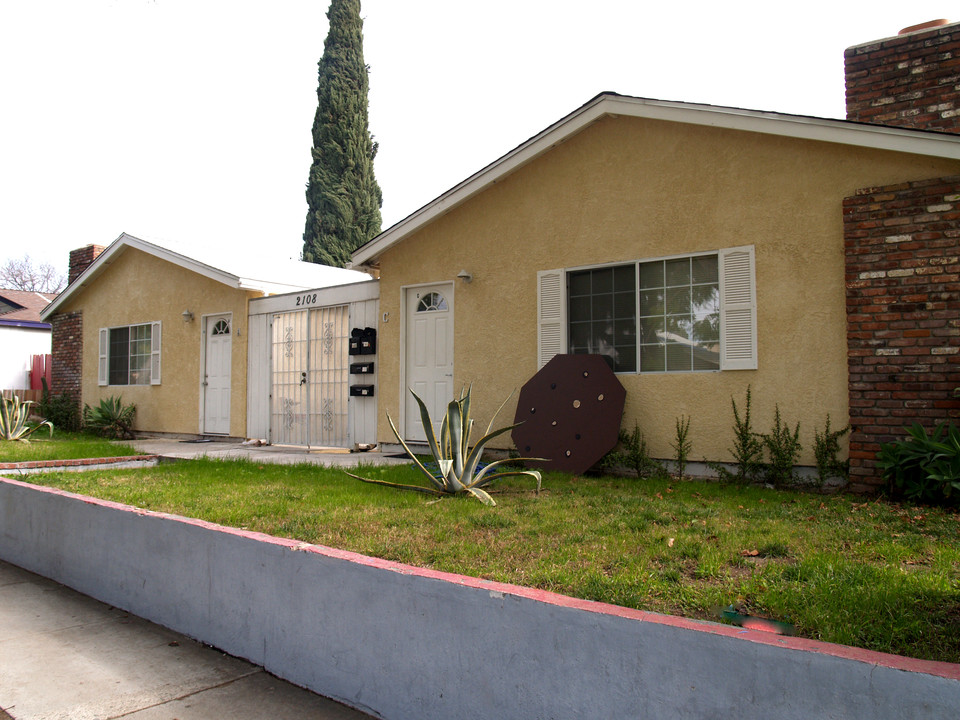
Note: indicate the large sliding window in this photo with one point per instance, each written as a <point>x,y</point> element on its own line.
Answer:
<point>677,314</point>
<point>130,355</point>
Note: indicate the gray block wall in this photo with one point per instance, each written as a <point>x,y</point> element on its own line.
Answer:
<point>399,642</point>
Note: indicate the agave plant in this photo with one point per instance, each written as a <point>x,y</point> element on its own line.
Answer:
<point>111,418</point>
<point>13,420</point>
<point>458,462</point>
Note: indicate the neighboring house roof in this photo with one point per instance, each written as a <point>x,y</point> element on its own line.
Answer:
<point>260,272</point>
<point>918,142</point>
<point>21,308</point>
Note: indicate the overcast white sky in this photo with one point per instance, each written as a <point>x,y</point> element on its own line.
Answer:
<point>188,121</point>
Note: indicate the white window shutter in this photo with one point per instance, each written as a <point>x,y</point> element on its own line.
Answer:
<point>738,309</point>
<point>551,315</point>
<point>102,366</point>
<point>155,353</point>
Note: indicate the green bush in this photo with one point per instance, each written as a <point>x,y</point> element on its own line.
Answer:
<point>62,410</point>
<point>14,414</point>
<point>783,447</point>
<point>826,448</point>
<point>632,453</point>
<point>111,418</point>
<point>924,468</point>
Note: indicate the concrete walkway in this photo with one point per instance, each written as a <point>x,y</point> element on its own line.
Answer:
<point>66,656</point>
<point>283,454</point>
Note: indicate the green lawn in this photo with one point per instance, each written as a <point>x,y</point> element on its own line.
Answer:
<point>850,570</point>
<point>63,446</point>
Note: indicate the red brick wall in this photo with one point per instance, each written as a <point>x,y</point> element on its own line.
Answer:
<point>67,354</point>
<point>908,81</point>
<point>903,313</point>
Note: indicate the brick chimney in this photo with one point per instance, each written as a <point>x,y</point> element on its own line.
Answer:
<point>910,81</point>
<point>80,260</point>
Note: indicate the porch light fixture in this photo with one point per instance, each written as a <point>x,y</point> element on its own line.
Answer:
<point>187,316</point>
<point>465,276</point>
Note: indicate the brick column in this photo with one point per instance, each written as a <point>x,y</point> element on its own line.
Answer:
<point>903,313</point>
<point>67,336</point>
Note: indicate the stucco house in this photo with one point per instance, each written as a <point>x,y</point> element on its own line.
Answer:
<point>22,335</point>
<point>703,250</point>
<point>168,332</point>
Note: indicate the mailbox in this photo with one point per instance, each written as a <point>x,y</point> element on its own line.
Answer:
<point>368,341</point>
<point>361,368</point>
<point>361,390</point>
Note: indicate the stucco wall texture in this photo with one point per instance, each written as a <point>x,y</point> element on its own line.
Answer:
<point>140,288</point>
<point>627,189</point>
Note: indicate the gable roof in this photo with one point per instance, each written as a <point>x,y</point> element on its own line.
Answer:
<point>259,272</point>
<point>918,142</point>
<point>21,308</point>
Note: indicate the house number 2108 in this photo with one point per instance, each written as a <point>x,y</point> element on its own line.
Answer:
<point>306,299</point>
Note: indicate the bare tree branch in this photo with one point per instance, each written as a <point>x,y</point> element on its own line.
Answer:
<point>22,274</point>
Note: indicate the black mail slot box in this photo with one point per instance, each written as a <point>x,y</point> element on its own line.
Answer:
<point>361,390</point>
<point>363,342</point>
<point>361,368</point>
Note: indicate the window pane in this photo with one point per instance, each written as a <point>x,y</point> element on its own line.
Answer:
<point>625,278</point>
<point>119,356</point>
<point>602,281</point>
<point>624,304</point>
<point>705,270</point>
<point>651,302</point>
<point>140,355</point>
<point>706,358</point>
<point>602,314</point>
<point>678,301</point>
<point>652,358</point>
<point>705,299</point>
<point>651,275</point>
<point>678,272</point>
<point>677,326</point>
<point>579,309</point>
<point>602,307</point>
<point>678,357</point>
<point>579,284</point>
<point>651,329</point>
<point>682,317</point>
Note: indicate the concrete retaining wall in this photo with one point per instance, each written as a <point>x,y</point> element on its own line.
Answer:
<point>400,642</point>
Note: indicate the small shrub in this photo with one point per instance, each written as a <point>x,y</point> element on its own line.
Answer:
<point>783,447</point>
<point>62,410</point>
<point>111,418</point>
<point>924,468</point>
<point>632,453</point>
<point>826,448</point>
<point>747,448</point>
<point>682,446</point>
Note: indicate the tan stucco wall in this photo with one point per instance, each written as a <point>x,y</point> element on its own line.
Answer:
<point>139,288</point>
<point>630,189</point>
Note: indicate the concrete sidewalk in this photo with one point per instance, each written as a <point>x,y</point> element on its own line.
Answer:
<point>282,454</point>
<point>66,656</point>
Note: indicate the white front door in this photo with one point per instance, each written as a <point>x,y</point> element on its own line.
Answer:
<point>429,355</point>
<point>218,343</point>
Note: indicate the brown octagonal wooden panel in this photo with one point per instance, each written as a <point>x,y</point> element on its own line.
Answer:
<point>571,412</point>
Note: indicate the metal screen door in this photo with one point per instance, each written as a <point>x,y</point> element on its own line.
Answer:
<point>310,365</point>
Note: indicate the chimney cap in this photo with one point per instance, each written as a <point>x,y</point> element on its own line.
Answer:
<point>924,26</point>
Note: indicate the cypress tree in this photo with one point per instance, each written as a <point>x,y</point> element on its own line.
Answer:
<point>343,196</point>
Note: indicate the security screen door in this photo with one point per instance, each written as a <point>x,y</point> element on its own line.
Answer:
<point>310,370</point>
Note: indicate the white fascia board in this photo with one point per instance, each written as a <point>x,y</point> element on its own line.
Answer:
<point>845,132</point>
<point>326,297</point>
